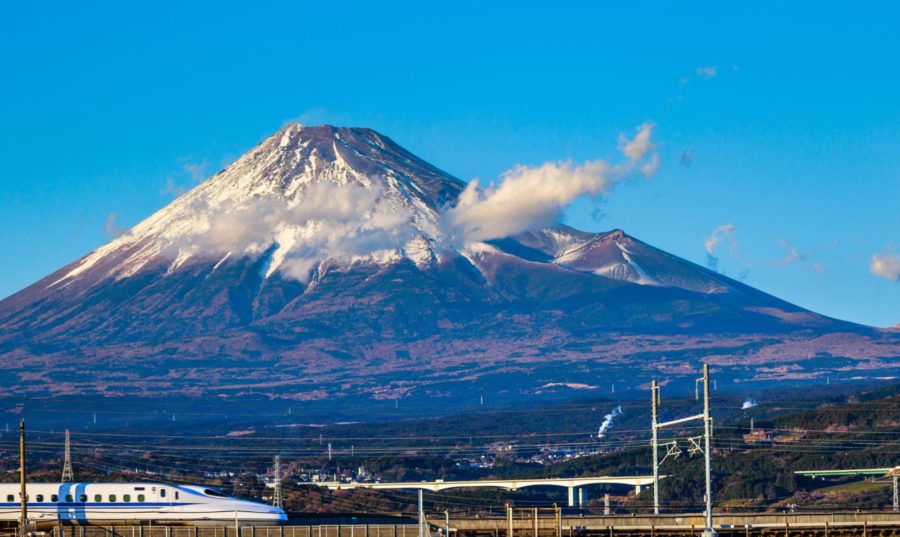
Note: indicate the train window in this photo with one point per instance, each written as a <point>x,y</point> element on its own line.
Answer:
<point>69,498</point>
<point>54,498</point>
<point>98,498</point>
<point>162,493</point>
<point>39,498</point>
<point>176,494</point>
<point>112,498</point>
<point>10,498</point>
<point>126,497</point>
<point>216,493</point>
<point>82,498</point>
<point>138,488</point>
<point>140,497</point>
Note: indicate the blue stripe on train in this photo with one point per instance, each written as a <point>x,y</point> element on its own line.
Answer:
<point>88,504</point>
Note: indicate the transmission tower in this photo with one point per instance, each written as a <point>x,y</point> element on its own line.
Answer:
<point>277,500</point>
<point>67,465</point>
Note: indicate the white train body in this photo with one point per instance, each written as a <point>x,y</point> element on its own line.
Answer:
<point>132,503</point>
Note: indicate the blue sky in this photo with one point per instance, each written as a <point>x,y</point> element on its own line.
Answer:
<point>782,122</point>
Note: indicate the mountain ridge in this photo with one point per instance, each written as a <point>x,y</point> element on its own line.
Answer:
<point>320,264</point>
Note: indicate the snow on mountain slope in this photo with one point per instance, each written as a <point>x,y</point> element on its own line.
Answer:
<point>315,192</point>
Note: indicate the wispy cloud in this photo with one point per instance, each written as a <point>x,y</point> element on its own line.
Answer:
<point>723,234</point>
<point>703,72</point>
<point>791,255</point>
<point>192,173</point>
<point>111,227</point>
<point>172,188</point>
<point>707,72</point>
<point>807,257</point>
<point>886,266</point>
<point>196,170</point>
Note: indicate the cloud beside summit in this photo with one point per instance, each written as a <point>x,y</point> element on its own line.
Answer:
<point>529,198</point>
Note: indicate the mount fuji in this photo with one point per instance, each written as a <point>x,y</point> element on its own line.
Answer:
<point>331,263</point>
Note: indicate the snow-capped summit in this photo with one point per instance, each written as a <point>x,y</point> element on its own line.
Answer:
<point>304,195</point>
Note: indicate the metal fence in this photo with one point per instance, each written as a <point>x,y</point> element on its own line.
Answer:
<point>331,530</point>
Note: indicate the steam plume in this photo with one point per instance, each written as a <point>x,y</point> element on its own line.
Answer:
<point>608,421</point>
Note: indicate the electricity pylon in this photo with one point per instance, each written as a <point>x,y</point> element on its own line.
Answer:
<point>277,500</point>
<point>67,475</point>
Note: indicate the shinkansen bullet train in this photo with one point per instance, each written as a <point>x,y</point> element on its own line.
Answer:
<point>132,503</point>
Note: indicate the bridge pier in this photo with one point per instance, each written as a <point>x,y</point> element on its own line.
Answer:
<point>579,493</point>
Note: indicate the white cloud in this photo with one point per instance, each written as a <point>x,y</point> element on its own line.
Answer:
<point>886,266</point>
<point>330,221</point>
<point>533,197</point>
<point>640,145</point>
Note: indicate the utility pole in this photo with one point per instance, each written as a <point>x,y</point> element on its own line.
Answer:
<point>673,451</point>
<point>67,475</point>
<point>277,501</point>
<point>23,493</point>
<point>707,422</point>
<point>896,494</point>
<point>421,515</point>
<point>654,403</point>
